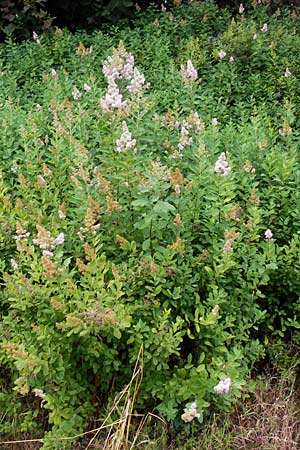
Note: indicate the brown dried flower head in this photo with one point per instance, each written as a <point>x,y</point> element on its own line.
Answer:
<point>247,166</point>
<point>253,197</point>
<point>177,220</point>
<point>83,268</point>
<point>56,304</point>
<point>230,236</point>
<point>50,267</point>
<point>70,284</point>
<point>112,205</point>
<point>81,50</point>
<point>263,143</point>
<point>90,253</point>
<point>177,245</point>
<point>235,213</point>
<point>176,179</point>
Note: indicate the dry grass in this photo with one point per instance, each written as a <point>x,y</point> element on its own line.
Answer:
<point>271,417</point>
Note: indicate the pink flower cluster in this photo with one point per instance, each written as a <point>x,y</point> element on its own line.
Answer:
<point>125,141</point>
<point>119,70</point>
<point>192,122</point>
<point>189,73</point>
<point>221,167</point>
<point>185,139</point>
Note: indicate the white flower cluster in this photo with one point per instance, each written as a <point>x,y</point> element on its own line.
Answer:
<point>221,167</point>
<point>39,393</point>
<point>189,73</point>
<point>36,38</point>
<point>41,180</point>
<point>21,233</point>
<point>223,386</point>
<point>287,73</point>
<point>118,67</point>
<point>268,234</point>
<point>14,264</point>
<point>87,88</point>
<point>136,82</point>
<point>76,94</point>
<point>125,141</point>
<point>222,54</point>
<point>61,214</point>
<point>191,413</point>
<point>112,99</point>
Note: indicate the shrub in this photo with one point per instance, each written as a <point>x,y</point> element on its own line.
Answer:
<point>160,216</point>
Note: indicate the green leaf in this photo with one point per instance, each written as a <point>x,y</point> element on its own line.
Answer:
<point>163,208</point>
<point>140,202</point>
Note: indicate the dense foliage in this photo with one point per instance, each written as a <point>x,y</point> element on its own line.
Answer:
<point>154,206</point>
<point>20,18</point>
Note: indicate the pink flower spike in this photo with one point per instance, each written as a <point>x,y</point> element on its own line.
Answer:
<point>221,167</point>
<point>189,73</point>
<point>125,141</point>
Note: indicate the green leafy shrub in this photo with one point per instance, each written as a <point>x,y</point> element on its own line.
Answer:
<point>153,205</point>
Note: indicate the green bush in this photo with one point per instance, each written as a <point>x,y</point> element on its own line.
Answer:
<point>146,207</point>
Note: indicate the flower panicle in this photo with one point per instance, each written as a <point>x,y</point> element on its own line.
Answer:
<point>188,73</point>
<point>116,69</point>
<point>222,167</point>
<point>125,141</point>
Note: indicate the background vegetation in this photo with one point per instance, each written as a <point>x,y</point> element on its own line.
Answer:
<point>19,18</point>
